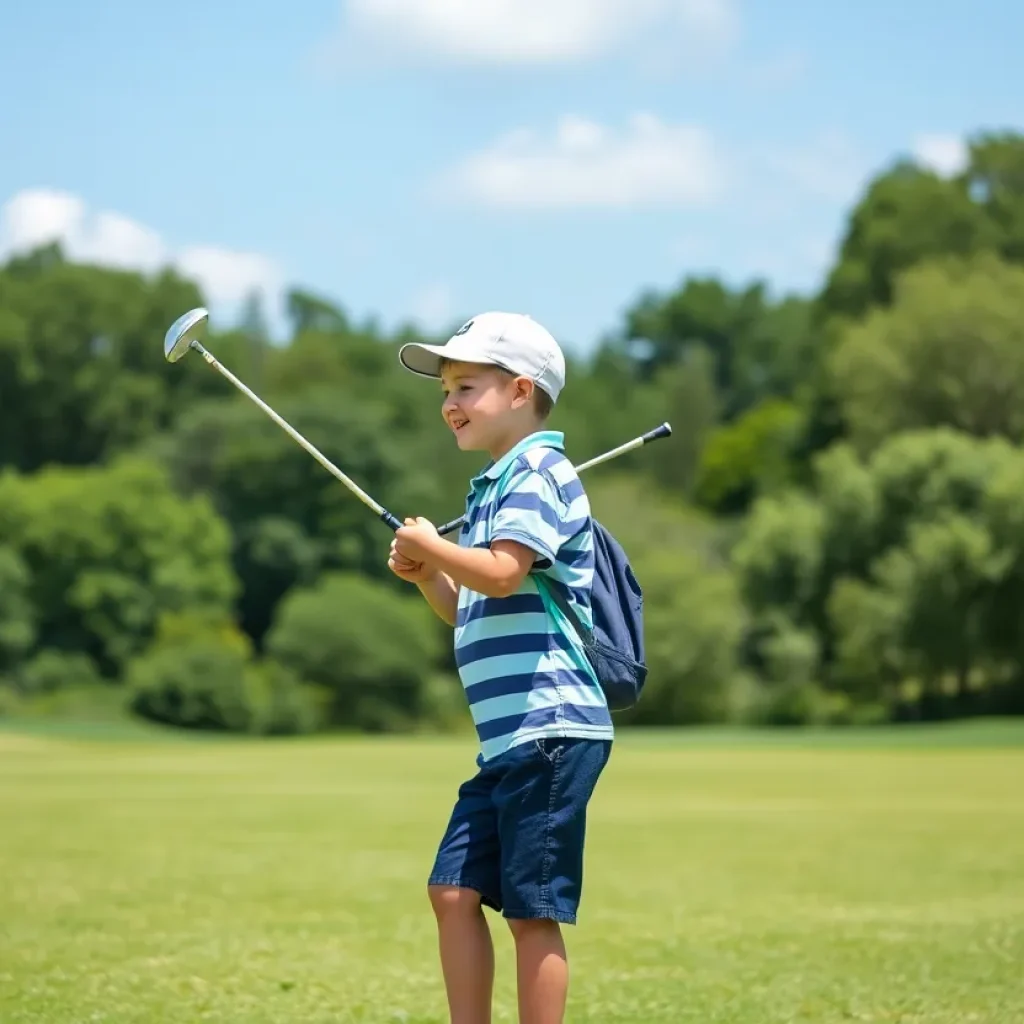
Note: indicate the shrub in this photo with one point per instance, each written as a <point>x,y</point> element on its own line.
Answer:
<point>372,648</point>
<point>202,676</point>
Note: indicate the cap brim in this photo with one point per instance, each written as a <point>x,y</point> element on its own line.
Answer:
<point>423,359</point>
<point>426,359</point>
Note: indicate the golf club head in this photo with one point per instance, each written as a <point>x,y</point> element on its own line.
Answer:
<point>189,327</point>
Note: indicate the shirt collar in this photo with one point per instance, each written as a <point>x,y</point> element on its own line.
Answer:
<point>539,439</point>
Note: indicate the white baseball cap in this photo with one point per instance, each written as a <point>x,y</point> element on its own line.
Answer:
<point>513,341</point>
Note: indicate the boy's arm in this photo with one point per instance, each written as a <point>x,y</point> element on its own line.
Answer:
<point>495,572</point>
<point>526,531</point>
<point>442,594</point>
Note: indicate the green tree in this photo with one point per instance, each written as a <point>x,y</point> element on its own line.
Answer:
<point>750,456</point>
<point>870,661</point>
<point>17,614</point>
<point>82,372</point>
<point>109,550</point>
<point>994,178</point>
<point>701,312</point>
<point>758,348</point>
<point>904,567</point>
<point>309,312</point>
<point>693,614</point>
<point>948,352</point>
<point>907,215</point>
<point>694,624</point>
<point>780,556</point>
<point>942,583</point>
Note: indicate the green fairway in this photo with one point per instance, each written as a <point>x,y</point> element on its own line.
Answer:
<point>727,881</point>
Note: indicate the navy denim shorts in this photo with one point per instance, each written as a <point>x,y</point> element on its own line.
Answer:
<point>516,834</point>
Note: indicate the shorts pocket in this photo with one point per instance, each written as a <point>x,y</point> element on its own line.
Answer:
<point>550,748</point>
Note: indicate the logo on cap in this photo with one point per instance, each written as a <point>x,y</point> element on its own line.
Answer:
<point>462,330</point>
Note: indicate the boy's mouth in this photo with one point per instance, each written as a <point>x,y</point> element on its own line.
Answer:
<point>458,424</point>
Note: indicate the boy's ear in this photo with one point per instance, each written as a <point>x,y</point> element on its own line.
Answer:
<point>524,392</point>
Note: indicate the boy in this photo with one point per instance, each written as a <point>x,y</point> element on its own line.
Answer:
<point>515,838</point>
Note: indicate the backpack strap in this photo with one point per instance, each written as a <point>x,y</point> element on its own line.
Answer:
<point>566,620</point>
<point>561,610</point>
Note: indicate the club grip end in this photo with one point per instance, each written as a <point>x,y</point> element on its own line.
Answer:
<point>665,430</point>
<point>449,527</point>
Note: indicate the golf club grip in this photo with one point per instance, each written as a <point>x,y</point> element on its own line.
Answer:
<point>392,521</point>
<point>665,430</point>
<point>453,525</point>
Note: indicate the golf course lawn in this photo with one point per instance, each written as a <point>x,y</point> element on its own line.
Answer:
<point>727,881</point>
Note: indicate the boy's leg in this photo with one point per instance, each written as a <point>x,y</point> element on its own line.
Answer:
<point>542,970</point>
<point>467,953</point>
<point>464,877</point>
<point>542,809</point>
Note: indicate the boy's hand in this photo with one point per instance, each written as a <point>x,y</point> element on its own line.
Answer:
<point>411,572</point>
<point>409,569</point>
<point>416,539</point>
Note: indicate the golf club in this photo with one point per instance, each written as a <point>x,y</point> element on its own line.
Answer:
<point>185,334</point>
<point>665,430</point>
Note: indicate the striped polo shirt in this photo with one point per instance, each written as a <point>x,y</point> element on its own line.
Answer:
<point>524,677</point>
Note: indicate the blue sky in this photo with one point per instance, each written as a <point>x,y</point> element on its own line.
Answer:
<point>429,159</point>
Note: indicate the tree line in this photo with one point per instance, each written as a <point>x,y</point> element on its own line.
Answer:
<point>834,533</point>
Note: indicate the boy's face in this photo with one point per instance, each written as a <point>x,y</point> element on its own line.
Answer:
<point>483,406</point>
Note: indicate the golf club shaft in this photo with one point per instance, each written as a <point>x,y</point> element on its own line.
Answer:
<point>382,512</point>
<point>638,442</point>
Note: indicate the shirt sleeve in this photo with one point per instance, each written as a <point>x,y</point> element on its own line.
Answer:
<point>531,511</point>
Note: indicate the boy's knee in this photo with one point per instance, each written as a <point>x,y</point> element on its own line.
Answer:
<point>452,899</point>
<point>523,929</point>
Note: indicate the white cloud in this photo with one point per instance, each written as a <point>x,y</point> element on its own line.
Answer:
<point>583,163</point>
<point>944,154</point>
<point>36,216</point>
<point>529,31</point>
<point>229,275</point>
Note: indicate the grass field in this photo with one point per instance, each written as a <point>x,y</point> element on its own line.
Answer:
<point>730,878</point>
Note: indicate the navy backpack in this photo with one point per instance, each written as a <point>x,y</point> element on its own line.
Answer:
<point>615,646</point>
